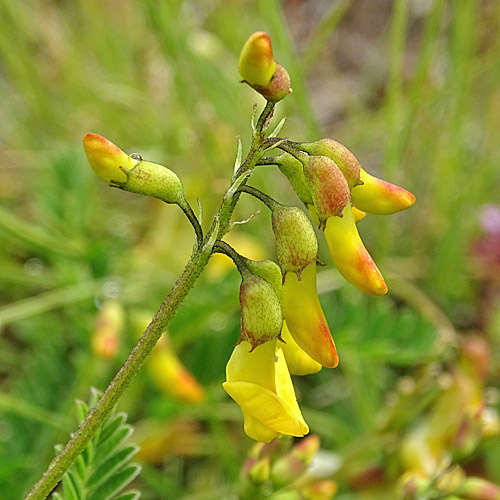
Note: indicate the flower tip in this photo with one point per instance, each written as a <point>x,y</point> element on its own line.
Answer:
<point>106,158</point>
<point>256,64</point>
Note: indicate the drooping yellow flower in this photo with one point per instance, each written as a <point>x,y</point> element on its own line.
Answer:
<point>380,197</point>
<point>106,158</point>
<point>350,256</point>
<point>260,383</point>
<point>170,376</point>
<point>305,318</point>
<point>297,360</point>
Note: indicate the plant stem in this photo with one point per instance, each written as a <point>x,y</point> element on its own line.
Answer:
<point>194,222</point>
<point>199,259</point>
<point>263,197</point>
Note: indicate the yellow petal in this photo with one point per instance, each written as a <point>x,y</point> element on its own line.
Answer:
<point>171,377</point>
<point>298,362</point>
<point>264,405</point>
<point>105,158</point>
<point>305,319</point>
<point>376,196</point>
<point>257,430</point>
<point>350,256</point>
<point>256,367</point>
<point>358,214</point>
<point>256,64</point>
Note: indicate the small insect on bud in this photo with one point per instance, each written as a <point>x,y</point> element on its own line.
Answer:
<point>296,242</point>
<point>329,188</point>
<point>259,69</point>
<point>261,314</point>
<point>345,160</point>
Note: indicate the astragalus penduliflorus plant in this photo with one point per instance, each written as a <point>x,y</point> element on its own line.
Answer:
<point>283,328</point>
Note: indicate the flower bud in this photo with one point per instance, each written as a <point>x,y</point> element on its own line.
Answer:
<point>344,159</point>
<point>260,471</point>
<point>256,64</point>
<point>475,488</point>
<point>261,314</point>
<point>107,331</point>
<point>293,170</point>
<point>322,490</point>
<point>380,197</point>
<point>132,173</point>
<point>106,159</point>
<point>328,186</point>
<point>259,69</point>
<point>287,468</point>
<point>270,272</point>
<point>296,242</point>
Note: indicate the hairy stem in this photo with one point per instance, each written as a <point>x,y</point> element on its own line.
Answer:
<point>271,203</point>
<point>199,259</point>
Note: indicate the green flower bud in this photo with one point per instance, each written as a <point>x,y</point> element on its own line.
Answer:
<point>152,179</point>
<point>261,314</point>
<point>296,241</point>
<point>270,272</point>
<point>328,186</point>
<point>287,468</point>
<point>345,160</point>
<point>322,490</point>
<point>293,170</point>
<point>260,471</point>
<point>475,488</point>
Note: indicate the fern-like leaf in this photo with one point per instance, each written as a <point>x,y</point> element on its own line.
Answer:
<point>103,470</point>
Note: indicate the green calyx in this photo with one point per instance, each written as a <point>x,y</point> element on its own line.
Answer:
<point>151,179</point>
<point>296,242</point>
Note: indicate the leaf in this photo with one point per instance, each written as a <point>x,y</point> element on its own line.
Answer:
<point>130,495</point>
<point>116,483</point>
<point>111,465</point>
<point>105,448</point>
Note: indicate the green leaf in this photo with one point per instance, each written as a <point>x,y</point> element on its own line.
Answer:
<point>105,448</point>
<point>111,465</point>
<point>116,483</point>
<point>130,495</point>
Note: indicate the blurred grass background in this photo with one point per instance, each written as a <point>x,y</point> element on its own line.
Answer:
<point>411,86</point>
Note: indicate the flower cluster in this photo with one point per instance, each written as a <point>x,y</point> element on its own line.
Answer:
<point>283,328</point>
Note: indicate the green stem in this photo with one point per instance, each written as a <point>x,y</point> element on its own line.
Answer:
<point>223,247</point>
<point>263,197</point>
<point>199,259</point>
<point>186,208</point>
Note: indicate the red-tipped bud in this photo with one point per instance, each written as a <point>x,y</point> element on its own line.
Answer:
<point>475,488</point>
<point>328,186</point>
<point>322,490</point>
<point>261,315</point>
<point>259,69</point>
<point>296,242</point>
<point>108,330</point>
<point>256,64</point>
<point>345,160</point>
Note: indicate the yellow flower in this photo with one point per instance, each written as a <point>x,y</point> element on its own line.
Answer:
<point>106,159</point>
<point>170,376</point>
<point>305,319</point>
<point>350,256</point>
<point>376,196</point>
<point>297,360</point>
<point>260,383</point>
<point>256,64</point>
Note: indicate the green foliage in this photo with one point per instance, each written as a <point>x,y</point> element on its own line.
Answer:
<point>103,469</point>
